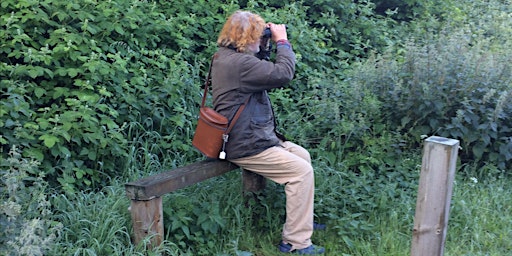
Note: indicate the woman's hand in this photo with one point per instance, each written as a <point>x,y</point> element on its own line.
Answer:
<point>278,31</point>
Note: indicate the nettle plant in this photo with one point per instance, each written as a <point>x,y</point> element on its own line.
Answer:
<point>454,85</point>
<point>26,221</point>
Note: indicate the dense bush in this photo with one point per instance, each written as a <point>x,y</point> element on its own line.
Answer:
<point>446,79</point>
<point>81,80</point>
<point>455,86</point>
<point>92,89</point>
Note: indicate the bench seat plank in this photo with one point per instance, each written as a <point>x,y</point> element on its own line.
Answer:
<point>165,182</point>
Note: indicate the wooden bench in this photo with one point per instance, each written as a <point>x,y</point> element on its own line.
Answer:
<point>146,194</point>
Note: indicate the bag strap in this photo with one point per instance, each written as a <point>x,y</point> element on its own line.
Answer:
<point>208,81</point>
<point>237,115</point>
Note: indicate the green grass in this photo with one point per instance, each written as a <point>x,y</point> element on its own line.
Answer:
<point>481,218</point>
<point>370,212</point>
<point>99,223</point>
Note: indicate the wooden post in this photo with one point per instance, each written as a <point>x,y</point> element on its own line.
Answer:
<point>147,220</point>
<point>252,182</point>
<point>434,196</point>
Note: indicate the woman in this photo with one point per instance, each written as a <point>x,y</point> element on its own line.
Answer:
<point>238,76</point>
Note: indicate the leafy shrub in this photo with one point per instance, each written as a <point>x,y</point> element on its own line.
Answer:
<point>193,223</point>
<point>354,27</point>
<point>89,84</point>
<point>411,10</point>
<point>457,87</point>
<point>347,200</point>
<point>93,89</point>
<point>78,74</point>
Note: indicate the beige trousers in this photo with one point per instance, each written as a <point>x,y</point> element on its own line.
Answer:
<point>289,164</point>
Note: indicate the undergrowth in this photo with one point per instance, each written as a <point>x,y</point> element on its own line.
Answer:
<point>27,226</point>
<point>370,212</point>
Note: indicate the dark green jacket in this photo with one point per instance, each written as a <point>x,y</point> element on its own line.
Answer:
<point>238,76</point>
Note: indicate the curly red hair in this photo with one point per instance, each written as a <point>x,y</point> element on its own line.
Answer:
<point>240,30</point>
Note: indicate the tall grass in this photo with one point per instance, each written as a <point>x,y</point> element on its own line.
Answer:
<point>367,213</point>
<point>481,216</point>
<point>99,223</point>
<point>480,219</point>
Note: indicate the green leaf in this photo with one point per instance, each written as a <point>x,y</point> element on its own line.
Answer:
<point>119,29</point>
<point>185,230</point>
<point>73,72</point>
<point>60,91</point>
<point>478,150</point>
<point>34,152</point>
<point>79,173</point>
<point>34,72</point>
<point>2,140</point>
<point>39,92</point>
<point>69,179</point>
<point>92,155</point>
<point>43,123</point>
<point>49,140</point>
<point>65,151</point>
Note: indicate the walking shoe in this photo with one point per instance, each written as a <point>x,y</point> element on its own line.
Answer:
<point>312,249</point>
<point>318,226</point>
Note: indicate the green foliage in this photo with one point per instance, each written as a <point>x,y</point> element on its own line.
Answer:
<point>93,227</point>
<point>455,88</point>
<point>370,211</point>
<point>477,224</point>
<point>26,221</point>
<point>362,184</point>
<point>77,74</point>
<point>194,223</point>
<point>214,213</point>
<point>354,27</point>
<point>94,90</point>
<point>409,10</point>
<point>88,84</point>
<point>469,214</point>
<point>98,223</point>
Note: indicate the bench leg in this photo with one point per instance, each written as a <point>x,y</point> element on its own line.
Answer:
<point>147,220</point>
<point>252,182</point>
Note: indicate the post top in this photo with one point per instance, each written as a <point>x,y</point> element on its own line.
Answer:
<point>442,140</point>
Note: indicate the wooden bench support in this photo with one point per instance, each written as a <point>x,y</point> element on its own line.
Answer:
<point>252,182</point>
<point>147,220</point>
<point>146,194</point>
